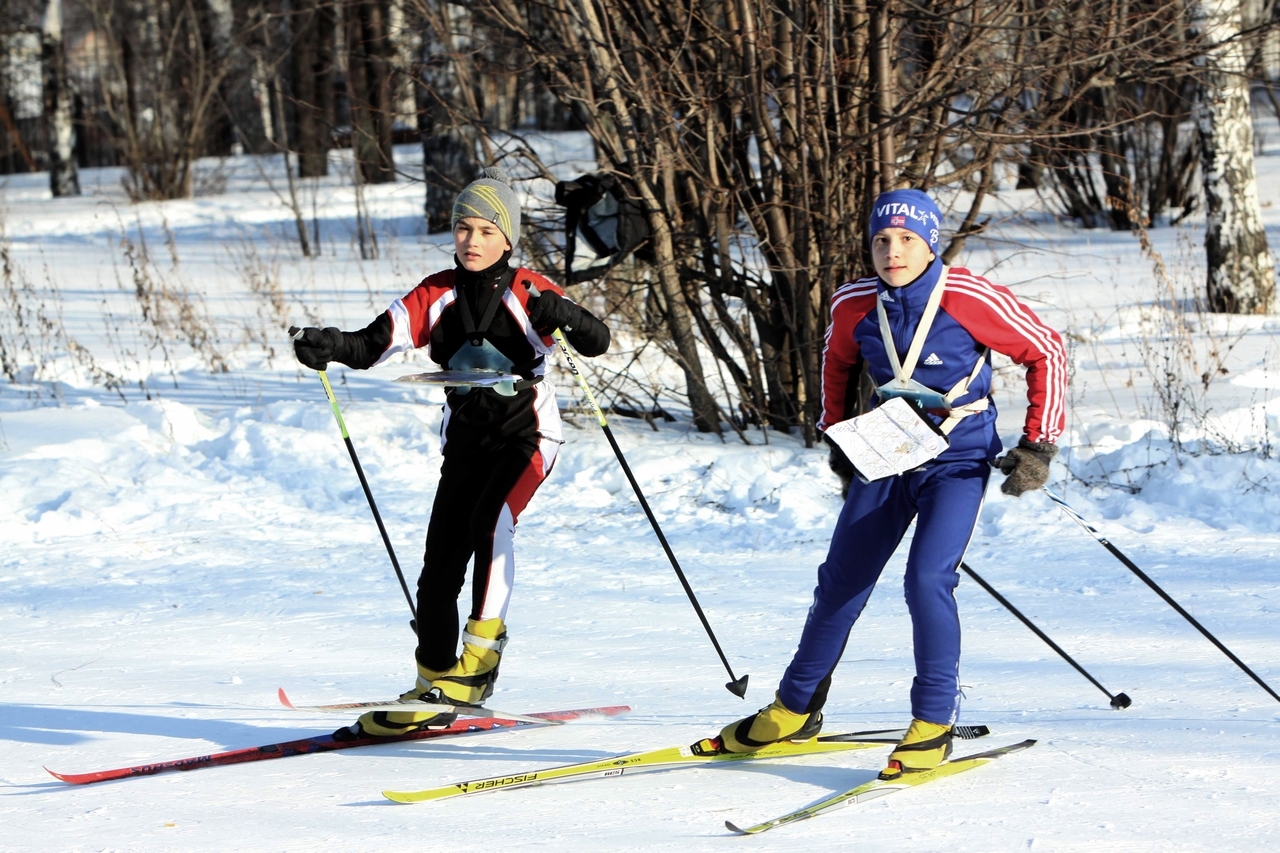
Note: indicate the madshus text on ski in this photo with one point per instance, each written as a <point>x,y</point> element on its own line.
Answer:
<point>922,453</point>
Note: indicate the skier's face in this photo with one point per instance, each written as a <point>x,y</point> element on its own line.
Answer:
<point>900,255</point>
<point>478,244</point>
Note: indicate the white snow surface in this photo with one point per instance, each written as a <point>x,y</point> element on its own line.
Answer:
<point>176,549</point>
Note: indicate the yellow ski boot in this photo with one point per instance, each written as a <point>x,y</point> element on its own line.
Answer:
<point>470,680</point>
<point>391,723</point>
<point>924,747</point>
<point>769,725</point>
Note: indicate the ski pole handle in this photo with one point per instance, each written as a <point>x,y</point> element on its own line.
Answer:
<point>296,334</point>
<point>573,368</point>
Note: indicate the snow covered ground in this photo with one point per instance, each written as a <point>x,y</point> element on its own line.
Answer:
<point>175,548</point>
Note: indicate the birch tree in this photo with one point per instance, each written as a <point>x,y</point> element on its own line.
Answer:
<point>1241,270</point>
<point>64,179</point>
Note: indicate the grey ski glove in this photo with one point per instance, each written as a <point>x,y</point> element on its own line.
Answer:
<point>1026,467</point>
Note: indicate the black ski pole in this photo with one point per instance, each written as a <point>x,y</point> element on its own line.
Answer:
<point>296,333</point>
<point>737,686</point>
<point>1119,701</point>
<point>1149,582</point>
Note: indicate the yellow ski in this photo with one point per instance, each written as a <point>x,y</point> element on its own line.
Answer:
<point>702,752</point>
<point>880,788</point>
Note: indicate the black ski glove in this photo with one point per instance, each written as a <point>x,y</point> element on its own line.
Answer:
<point>840,466</point>
<point>550,310</point>
<point>1026,467</point>
<point>317,347</point>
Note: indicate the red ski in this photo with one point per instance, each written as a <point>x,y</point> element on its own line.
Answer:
<point>325,743</point>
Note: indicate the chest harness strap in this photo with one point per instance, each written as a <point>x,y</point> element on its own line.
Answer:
<point>903,386</point>
<point>476,331</point>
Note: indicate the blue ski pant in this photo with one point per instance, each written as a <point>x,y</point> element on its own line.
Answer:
<point>946,497</point>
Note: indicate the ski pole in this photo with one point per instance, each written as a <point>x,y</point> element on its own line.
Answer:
<point>1119,701</point>
<point>296,334</point>
<point>737,686</point>
<point>1149,582</point>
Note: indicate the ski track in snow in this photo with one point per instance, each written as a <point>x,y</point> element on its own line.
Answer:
<point>166,564</point>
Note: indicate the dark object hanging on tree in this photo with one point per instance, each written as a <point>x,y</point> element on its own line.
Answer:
<point>601,208</point>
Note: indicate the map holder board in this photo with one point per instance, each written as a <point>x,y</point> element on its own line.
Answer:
<point>891,439</point>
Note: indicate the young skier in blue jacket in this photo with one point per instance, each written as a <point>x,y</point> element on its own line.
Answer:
<point>928,329</point>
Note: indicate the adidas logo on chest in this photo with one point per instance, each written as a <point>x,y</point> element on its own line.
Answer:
<point>933,360</point>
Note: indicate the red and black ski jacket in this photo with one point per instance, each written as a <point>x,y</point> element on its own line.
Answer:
<point>445,314</point>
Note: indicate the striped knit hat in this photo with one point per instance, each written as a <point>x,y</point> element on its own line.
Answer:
<point>492,199</point>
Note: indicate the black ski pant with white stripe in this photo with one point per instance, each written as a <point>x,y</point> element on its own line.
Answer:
<point>479,499</point>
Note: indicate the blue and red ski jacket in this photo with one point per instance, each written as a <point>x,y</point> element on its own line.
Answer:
<point>974,313</point>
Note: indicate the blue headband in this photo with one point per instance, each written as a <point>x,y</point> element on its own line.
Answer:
<point>910,209</point>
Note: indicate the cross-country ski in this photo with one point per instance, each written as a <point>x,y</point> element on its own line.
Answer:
<point>324,743</point>
<point>415,705</point>
<point>877,788</point>
<point>708,751</point>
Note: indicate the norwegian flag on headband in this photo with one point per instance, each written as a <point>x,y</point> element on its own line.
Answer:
<point>910,209</point>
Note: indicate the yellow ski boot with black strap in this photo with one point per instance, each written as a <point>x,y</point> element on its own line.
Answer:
<point>470,680</point>
<point>391,723</point>
<point>924,747</point>
<point>769,725</point>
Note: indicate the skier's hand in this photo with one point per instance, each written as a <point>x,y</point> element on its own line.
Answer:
<point>1026,467</point>
<point>315,348</point>
<point>549,311</point>
<point>840,465</point>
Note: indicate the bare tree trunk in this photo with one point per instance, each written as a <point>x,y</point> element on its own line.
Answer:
<point>64,179</point>
<point>261,76</point>
<point>313,59</point>
<point>887,173</point>
<point>448,146</point>
<point>276,90</point>
<point>1241,269</point>
<point>228,21</point>
<point>369,84</point>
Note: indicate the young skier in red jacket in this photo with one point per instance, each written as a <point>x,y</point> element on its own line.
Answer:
<point>926,333</point>
<point>499,443</point>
